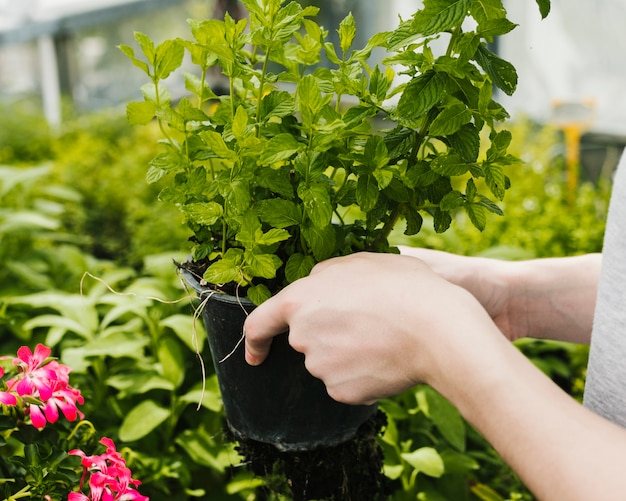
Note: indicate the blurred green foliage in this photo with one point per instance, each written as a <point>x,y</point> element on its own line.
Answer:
<point>82,205</point>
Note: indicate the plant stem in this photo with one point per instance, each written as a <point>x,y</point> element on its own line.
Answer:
<point>260,96</point>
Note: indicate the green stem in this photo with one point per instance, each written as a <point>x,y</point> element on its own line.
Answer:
<point>22,493</point>
<point>81,423</point>
<point>260,96</point>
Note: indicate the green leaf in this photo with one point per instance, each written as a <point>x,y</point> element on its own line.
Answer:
<point>130,53</point>
<point>439,15</point>
<point>208,395</point>
<point>298,266</point>
<point>141,420</point>
<point>199,446</point>
<point>146,45</point>
<point>347,32</point>
<point>321,241</point>
<point>450,120</point>
<point>441,221</point>
<point>171,360</point>
<point>501,72</point>
<point>446,418</point>
<point>367,192</point>
<point>140,113</point>
<point>421,94</point>
<point>226,270</point>
<point>205,213</point>
<point>240,122</point>
<point>60,323</point>
<point>279,213</point>
<point>316,202</point>
<point>456,462</point>
<point>452,200</point>
<point>544,7</point>
<point>216,143</point>
<point>376,153</point>
<point>486,493</point>
<point>466,142</point>
<point>117,345</point>
<point>277,104</point>
<point>168,57</point>
<point>495,179</point>
<point>487,10</point>
<point>309,99</point>
<point>258,294</point>
<point>280,148</point>
<point>190,333</point>
<point>495,27</point>
<point>414,221</point>
<point>261,265</point>
<point>477,216</point>
<point>425,460</point>
<point>272,236</point>
<point>450,165</point>
<point>138,383</point>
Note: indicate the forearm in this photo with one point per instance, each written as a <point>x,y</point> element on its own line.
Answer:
<point>560,449</point>
<point>556,297</point>
<point>550,298</point>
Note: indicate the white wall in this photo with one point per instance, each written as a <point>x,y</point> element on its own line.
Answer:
<point>577,53</point>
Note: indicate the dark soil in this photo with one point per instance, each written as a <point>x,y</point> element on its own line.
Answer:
<point>351,471</point>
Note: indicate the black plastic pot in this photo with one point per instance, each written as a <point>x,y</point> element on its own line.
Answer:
<point>278,402</point>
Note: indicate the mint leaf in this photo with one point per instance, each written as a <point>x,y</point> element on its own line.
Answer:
<point>279,213</point>
<point>261,265</point>
<point>367,192</point>
<point>544,7</point>
<point>226,270</point>
<point>477,216</point>
<point>439,15</point>
<point>501,72</point>
<point>450,120</point>
<point>347,32</point>
<point>486,10</point>
<point>168,57</point>
<point>321,241</point>
<point>206,213</point>
<point>450,165</point>
<point>421,94</point>
<point>140,113</point>
<point>316,203</point>
<point>298,266</point>
<point>258,294</point>
<point>279,148</point>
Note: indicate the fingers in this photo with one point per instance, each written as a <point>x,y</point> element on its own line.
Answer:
<point>260,327</point>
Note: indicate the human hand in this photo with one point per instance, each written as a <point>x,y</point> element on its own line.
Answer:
<point>371,325</point>
<point>491,281</point>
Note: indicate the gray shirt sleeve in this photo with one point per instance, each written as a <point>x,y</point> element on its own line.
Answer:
<point>605,389</point>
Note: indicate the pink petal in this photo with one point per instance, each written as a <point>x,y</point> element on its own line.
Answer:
<point>37,417</point>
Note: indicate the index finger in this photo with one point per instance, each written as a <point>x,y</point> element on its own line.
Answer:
<point>265,322</point>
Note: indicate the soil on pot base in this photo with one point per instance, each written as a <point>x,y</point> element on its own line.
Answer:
<point>351,471</point>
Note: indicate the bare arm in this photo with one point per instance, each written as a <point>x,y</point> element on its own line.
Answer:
<point>550,298</point>
<point>371,326</point>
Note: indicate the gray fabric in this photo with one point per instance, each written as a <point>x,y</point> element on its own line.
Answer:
<point>605,389</point>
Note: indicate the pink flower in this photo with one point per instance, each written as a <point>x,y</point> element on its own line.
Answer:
<point>6,398</point>
<point>34,378</point>
<point>46,387</point>
<point>110,478</point>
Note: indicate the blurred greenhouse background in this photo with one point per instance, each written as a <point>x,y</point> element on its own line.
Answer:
<point>61,52</point>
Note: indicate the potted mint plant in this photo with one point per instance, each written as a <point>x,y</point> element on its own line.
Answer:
<point>300,162</point>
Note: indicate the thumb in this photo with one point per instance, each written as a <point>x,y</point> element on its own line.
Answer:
<point>265,322</point>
